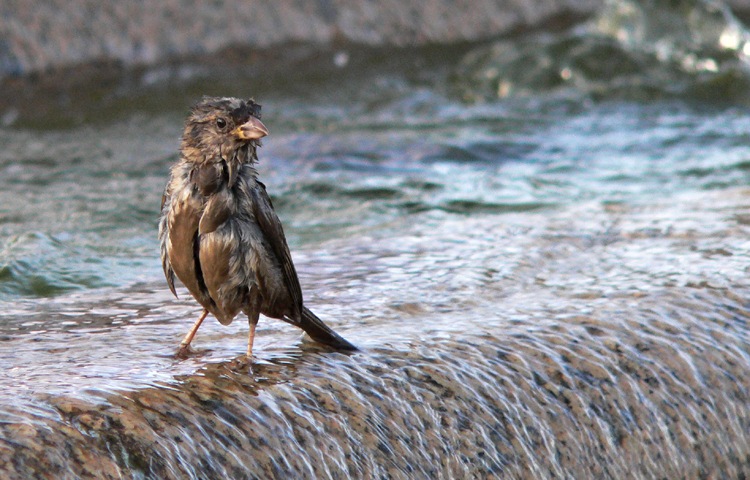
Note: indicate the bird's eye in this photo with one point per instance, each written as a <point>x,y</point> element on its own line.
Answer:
<point>221,123</point>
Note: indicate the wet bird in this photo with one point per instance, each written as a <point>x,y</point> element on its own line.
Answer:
<point>218,231</point>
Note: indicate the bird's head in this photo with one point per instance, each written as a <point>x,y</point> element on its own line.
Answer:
<point>227,129</point>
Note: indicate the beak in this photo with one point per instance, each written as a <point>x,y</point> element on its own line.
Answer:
<point>253,129</point>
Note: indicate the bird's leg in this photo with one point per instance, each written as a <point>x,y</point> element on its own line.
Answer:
<point>253,313</point>
<point>253,320</point>
<point>185,344</point>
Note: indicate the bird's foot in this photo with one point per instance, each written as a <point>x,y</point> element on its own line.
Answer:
<point>183,352</point>
<point>242,363</point>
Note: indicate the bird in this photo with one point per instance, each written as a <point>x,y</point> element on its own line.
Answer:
<point>219,233</point>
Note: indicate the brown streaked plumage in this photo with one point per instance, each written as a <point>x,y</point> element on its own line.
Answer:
<point>218,231</point>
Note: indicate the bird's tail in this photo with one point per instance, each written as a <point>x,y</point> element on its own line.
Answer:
<point>322,333</point>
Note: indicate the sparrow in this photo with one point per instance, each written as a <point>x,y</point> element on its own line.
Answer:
<point>219,233</point>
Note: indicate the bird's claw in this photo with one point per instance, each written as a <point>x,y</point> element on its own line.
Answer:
<point>183,352</point>
<point>241,363</point>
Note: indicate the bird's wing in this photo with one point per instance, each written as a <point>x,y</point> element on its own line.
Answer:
<point>163,234</point>
<point>274,234</point>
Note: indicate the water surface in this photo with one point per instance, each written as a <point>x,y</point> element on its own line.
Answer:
<point>552,273</point>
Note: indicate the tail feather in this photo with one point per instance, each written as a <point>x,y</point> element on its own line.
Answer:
<point>322,333</point>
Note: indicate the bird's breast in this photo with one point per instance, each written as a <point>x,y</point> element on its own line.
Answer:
<point>218,209</point>
<point>215,245</point>
<point>209,178</point>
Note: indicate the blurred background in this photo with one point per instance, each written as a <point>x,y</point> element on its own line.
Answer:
<point>378,114</point>
<point>562,178</point>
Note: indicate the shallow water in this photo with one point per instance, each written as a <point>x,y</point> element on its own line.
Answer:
<point>548,284</point>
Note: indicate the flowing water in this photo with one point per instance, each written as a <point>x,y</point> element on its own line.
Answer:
<point>540,245</point>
